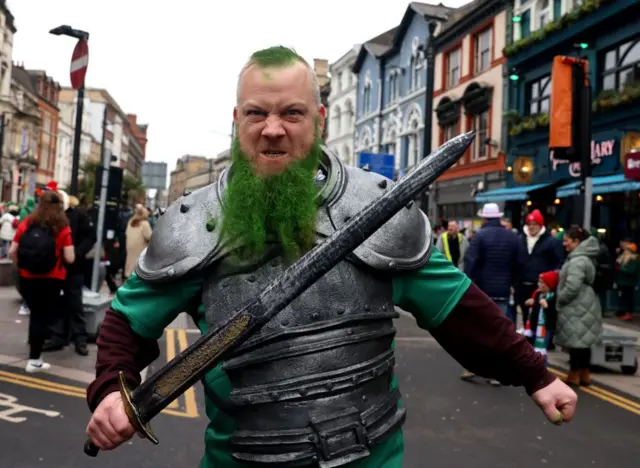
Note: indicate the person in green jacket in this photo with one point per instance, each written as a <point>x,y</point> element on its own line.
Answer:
<point>316,385</point>
<point>27,209</point>
<point>627,279</point>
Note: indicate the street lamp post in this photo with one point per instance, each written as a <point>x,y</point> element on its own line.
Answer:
<point>66,30</point>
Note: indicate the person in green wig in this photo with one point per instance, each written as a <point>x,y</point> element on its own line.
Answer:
<point>27,209</point>
<point>316,385</point>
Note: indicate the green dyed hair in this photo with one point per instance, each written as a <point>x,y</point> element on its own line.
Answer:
<point>280,57</point>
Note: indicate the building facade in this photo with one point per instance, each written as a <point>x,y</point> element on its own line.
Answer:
<point>22,137</point>
<point>209,172</point>
<point>608,37</point>
<point>64,150</point>
<point>391,89</point>
<point>47,90</point>
<point>468,95</point>
<point>342,101</point>
<point>186,167</point>
<point>7,31</point>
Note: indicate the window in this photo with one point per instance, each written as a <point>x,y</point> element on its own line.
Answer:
<point>394,86</point>
<point>539,93</point>
<point>481,127</point>
<point>557,9</point>
<point>544,13</point>
<point>448,133</point>
<point>483,50</point>
<point>366,102</point>
<point>525,24</point>
<point>453,68</point>
<point>413,147</point>
<point>621,66</point>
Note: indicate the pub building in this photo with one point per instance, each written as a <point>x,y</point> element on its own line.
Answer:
<point>606,33</point>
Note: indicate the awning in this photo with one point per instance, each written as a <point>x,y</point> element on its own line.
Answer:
<point>508,193</point>
<point>602,184</point>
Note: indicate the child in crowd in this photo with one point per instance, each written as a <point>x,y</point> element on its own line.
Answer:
<point>542,313</point>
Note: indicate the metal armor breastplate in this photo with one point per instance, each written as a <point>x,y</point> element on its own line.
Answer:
<point>312,388</point>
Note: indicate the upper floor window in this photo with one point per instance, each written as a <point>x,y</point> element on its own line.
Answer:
<point>453,67</point>
<point>544,13</point>
<point>525,24</point>
<point>539,95</point>
<point>481,127</point>
<point>366,107</point>
<point>394,85</point>
<point>482,57</point>
<point>621,66</point>
<point>339,82</point>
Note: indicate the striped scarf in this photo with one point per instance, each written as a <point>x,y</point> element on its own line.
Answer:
<point>540,341</point>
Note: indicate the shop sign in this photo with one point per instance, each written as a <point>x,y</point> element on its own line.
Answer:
<point>601,151</point>
<point>632,166</point>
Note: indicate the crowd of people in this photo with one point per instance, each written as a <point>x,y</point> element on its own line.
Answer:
<point>557,279</point>
<point>51,239</point>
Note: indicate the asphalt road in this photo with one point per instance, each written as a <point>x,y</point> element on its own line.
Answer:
<point>450,423</point>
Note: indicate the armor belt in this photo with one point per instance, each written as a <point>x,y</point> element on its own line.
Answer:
<point>329,441</point>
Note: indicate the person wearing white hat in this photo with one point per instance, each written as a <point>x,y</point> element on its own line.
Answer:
<point>490,211</point>
<point>492,261</point>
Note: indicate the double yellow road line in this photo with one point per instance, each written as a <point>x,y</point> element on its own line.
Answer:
<point>173,336</point>
<point>605,395</point>
<point>40,384</point>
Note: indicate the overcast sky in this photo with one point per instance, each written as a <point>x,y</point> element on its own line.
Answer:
<point>175,63</point>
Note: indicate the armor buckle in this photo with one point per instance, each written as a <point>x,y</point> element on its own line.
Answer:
<point>341,438</point>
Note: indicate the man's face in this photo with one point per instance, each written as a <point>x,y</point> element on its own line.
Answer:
<point>452,228</point>
<point>276,117</point>
<point>534,228</point>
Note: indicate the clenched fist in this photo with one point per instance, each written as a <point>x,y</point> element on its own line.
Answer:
<point>557,401</point>
<point>109,426</point>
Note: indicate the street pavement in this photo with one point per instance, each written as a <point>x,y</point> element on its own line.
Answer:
<point>450,423</point>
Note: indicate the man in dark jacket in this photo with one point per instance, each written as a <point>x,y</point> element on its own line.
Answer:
<point>72,325</point>
<point>539,253</point>
<point>491,261</point>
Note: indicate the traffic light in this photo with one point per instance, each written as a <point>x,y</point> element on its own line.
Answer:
<point>570,122</point>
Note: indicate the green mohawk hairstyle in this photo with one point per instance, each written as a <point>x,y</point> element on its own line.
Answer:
<point>277,56</point>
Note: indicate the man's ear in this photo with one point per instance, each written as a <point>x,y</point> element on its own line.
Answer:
<point>322,117</point>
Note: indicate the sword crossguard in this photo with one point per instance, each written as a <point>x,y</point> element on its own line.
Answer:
<point>143,429</point>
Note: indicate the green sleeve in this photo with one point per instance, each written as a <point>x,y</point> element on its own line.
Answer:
<point>431,293</point>
<point>150,309</point>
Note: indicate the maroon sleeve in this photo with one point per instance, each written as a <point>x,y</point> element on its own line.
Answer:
<point>119,349</point>
<point>479,336</point>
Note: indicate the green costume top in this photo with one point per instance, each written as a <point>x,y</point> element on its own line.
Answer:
<point>429,294</point>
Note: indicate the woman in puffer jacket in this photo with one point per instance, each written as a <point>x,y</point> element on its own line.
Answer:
<point>579,324</point>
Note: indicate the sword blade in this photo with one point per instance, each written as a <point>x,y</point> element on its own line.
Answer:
<point>160,389</point>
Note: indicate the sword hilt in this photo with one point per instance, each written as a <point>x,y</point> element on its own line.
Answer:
<point>142,428</point>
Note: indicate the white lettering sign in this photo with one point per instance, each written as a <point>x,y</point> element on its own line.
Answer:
<point>599,150</point>
<point>633,163</point>
<point>9,407</point>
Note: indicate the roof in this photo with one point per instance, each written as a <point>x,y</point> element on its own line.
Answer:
<point>23,78</point>
<point>466,18</point>
<point>376,47</point>
<point>429,12</point>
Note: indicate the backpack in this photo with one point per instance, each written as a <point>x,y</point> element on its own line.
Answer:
<point>605,273</point>
<point>37,250</point>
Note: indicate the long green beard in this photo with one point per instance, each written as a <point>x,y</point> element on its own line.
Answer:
<point>280,208</point>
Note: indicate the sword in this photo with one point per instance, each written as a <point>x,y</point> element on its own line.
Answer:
<point>158,391</point>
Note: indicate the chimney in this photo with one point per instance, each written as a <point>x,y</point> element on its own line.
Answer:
<point>133,119</point>
<point>321,69</point>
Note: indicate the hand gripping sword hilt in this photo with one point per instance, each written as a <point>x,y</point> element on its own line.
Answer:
<point>143,429</point>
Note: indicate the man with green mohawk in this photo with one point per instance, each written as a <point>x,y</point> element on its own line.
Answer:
<point>314,387</point>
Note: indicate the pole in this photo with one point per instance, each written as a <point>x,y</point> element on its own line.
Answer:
<point>585,165</point>
<point>430,56</point>
<point>106,162</point>
<point>3,127</point>
<point>75,166</point>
